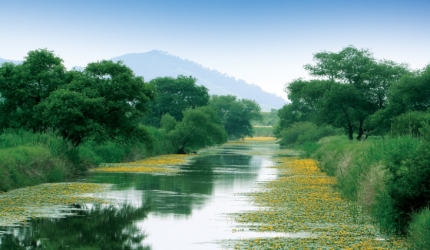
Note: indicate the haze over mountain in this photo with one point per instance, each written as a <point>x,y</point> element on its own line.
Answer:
<point>158,64</point>
<point>7,60</point>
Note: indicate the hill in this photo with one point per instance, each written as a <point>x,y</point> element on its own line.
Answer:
<point>7,60</point>
<point>157,63</point>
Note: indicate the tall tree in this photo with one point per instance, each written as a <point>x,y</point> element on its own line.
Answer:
<point>175,95</point>
<point>26,85</point>
<point>199,128</point>
<point>104,102</point>
<point>358,68</point>
<point>410,93</point>
<point>236,115</point>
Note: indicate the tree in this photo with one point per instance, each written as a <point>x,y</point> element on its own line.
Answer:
<point>199,128</point>
<point>26,85</point>
<point>104,102</point>
<point>168,122</point>
<point>370,79</point>
<point>236,115</point>
<point>175,95</point>
<point>410,93</point>
<point>343,106</point>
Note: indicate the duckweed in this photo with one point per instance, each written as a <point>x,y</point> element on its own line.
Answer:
<point>46,200</point>
<point>164,164</point>
<point>302,200</point>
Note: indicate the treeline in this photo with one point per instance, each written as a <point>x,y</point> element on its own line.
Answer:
<point>76,119</point>
<point>355,94</point>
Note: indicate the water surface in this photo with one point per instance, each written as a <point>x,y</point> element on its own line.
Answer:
<point>183,211</point>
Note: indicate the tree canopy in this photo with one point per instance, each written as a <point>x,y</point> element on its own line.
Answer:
<point>199,128</point>
<point>173,96</point>
<point>236,115</point>
<point>352,86</point>
<point>26,85</point>
<point>106,101</point>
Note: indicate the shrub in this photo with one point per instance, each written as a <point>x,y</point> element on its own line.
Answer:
<point>301,132</point>
<point>419,230</point>
<point>409,123</point>
<point>263,131</point>
<point>29,165</point>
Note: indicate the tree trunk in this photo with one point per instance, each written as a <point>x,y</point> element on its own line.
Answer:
<point>350,132</point>
<point>360,131</point>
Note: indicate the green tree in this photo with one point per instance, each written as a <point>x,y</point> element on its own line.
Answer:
<point>368,81</point>
<point>104,102</point>
<point>168,122</point>
<point>26,85</point>
<point>236,115</point>
<point>343,106</point>
<point>199,128</point>
<point>175,95</point>
<point>410,93</point>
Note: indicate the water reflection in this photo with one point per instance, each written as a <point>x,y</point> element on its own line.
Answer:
<point>183,193</point>
<point>109,227</point>
<point>180,211</point>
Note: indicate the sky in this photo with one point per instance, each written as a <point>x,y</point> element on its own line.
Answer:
<point>263,42</point>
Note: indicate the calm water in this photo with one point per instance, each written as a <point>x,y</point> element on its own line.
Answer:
<point>186,211</point>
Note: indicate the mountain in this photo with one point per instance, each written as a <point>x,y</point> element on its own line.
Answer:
<point>7,60</point>
<point>158,64</point>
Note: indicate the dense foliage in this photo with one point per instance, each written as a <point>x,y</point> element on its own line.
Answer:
<point>351,87</point>
<point>387,176</point>
<point>56,123</point>
<point>236,115</point>
<point>174,96</point>
<point>104,102</point>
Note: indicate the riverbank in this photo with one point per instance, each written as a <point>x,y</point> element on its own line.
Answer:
<point>190,206</point>
<point>34,158</point>
<point>303,204</point>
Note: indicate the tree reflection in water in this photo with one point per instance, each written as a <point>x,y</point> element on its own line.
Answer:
<point>101,227</point>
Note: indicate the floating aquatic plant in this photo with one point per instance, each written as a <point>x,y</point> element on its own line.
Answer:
<point>303,200</point>
<point>160,164</point>
<point>46,200</point>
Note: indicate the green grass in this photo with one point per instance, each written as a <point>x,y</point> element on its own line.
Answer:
<point>29,165</point>
<point>383,177</point>
<point>263,131</point>
<point>29,158</point>
<point>419,230</point>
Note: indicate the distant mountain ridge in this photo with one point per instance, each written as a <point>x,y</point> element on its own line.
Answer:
<point>7,60</point>
<point>158,64</point>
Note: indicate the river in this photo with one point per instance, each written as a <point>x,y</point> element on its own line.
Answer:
<point>189,210</point>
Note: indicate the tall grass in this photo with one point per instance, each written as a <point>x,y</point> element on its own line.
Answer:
<point>419,230</point>
<point>263,131</point>
<point>29,165</point>
<point>386,178</point>
<point>29,158</point>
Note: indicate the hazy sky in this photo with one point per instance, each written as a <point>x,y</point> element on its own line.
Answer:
<point>262,42</point>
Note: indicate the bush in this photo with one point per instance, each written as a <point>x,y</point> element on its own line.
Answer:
<point>409,188</point>
<point>263,131</point>
<point>302,132</point>
<point>29,165</point>
<point>419,230</point>
<point>409,123</point>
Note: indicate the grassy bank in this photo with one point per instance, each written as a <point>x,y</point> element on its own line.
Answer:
<point>29,158</point>
<point>385,179</point>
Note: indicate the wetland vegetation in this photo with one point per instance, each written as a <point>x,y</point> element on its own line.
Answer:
<point>126,144</point>
<point>385,106</point>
